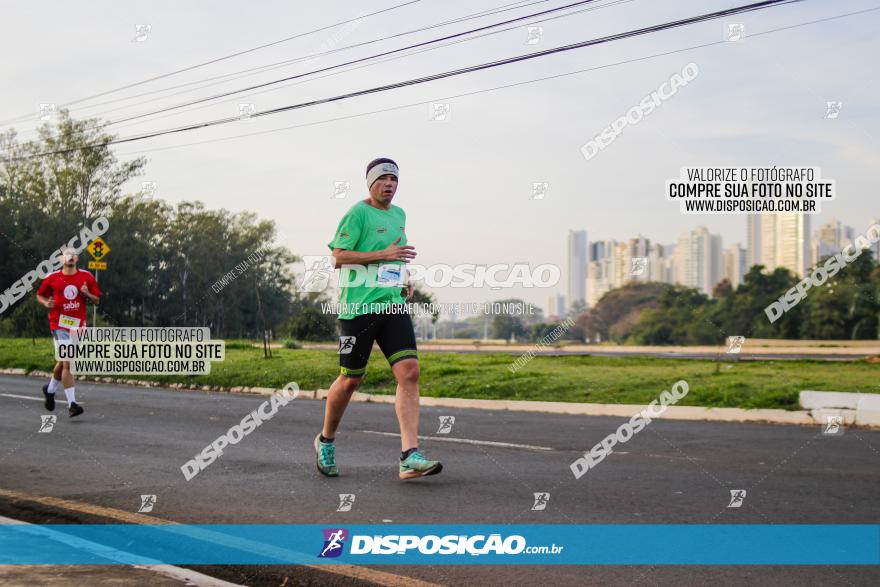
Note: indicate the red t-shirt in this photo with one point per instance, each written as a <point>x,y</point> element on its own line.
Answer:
<point>69,311</point>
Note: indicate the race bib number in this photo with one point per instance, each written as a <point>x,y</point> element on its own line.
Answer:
<point>68,322</point>
<point>391,275</point>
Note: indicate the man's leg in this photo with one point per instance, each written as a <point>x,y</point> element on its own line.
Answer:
<point>55,380</point>
<point>337,400</point>
<point>55,383</point>
<point>354,352</point>
<point>397,340</point>
<point>74,409</point>
<point>406,402</point>
<point>66,375</point>
<point>413,463</point>
<point>50,388</point>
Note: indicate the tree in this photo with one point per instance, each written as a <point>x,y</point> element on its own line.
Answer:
<point>618,311</point>
<point>50,188</point>
<point>680,317</point>
<point>420,297</point>
<point>847,306</point>
<point>723,289</point>
<point>510,324</point>
<point>742,314</point>
<point>307,321</point>
<point>68,170</point>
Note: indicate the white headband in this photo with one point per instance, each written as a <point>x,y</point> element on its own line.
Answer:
<point>377,171</point>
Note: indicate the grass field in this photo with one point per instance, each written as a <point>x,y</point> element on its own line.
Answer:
<point>629,380</point>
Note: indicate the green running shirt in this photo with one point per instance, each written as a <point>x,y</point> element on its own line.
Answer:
<point>367,229</point>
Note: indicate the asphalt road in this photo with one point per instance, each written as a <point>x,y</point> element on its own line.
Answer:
<point>133,441</point>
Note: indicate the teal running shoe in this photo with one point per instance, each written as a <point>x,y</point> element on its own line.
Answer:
<point>325,457</point>
<point>416,465</point>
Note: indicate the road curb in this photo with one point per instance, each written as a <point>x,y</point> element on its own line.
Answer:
<point>859,409</point>
<point>817,407</point>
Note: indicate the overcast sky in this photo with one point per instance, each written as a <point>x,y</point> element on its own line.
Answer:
<point>466,182</point>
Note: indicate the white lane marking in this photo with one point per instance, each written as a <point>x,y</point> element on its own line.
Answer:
<point>21,396</point>
<point>185,576</point>
<point>36,399</point>
<point>675,458</point>
<point>466,441</point>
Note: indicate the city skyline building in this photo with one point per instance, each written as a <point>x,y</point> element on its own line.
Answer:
<point>698,259</point>
<point>735,266</point>
<point>577,267</point>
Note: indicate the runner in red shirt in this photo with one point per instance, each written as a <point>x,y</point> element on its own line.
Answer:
<point>65,293</point>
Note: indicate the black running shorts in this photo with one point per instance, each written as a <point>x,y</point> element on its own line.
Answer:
<point>393,332</point>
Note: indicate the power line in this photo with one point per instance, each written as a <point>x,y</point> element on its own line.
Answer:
<point>218,59</point>
<point>392,58</point>
<point>628,34</point>
<point>609,4</point>
<point>262,68</point>
<point>656,28</point>
<point>496,88</point>
<point>488,12</point>
<point>362,59</point>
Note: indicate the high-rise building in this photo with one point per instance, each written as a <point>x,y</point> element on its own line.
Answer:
<point>734,259</point>
<point>785,242</point>
<point>555,307</point>
<point>609,268</point>
<point>669,271</point>
<point>577,267</point>
<point>712,265</point>
<point>656,270</point>
<point>698,259</point>
<point>598,281</point>
<point>830,238</point>
<point>619,273</point>
<point>768,242</point>
<point>753,240</point>
<point>637,259</point>
<point>596,250</point>
<point>875,248</point>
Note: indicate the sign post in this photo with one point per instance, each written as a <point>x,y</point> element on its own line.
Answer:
<point>98,249</point>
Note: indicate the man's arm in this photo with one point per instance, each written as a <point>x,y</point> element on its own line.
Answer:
<point>392,252</point>
<point>346,257</point>
<point>85,291</point>
<point>44,294</point>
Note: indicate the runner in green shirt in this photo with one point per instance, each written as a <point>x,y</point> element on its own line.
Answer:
<point>370,288</point>
<point>370,249</point>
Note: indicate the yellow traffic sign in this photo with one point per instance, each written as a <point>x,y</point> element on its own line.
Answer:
<point>97,265</point>
<point>98,249</point>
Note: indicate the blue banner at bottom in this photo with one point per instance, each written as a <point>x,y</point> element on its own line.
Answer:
<point>457,544</point>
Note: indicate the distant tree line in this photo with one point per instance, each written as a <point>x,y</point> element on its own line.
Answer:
<point>846,307</point>
<point>181,265</point>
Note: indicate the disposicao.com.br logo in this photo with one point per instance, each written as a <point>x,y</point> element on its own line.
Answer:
<point>451,544</point>
<point>334,542</point>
